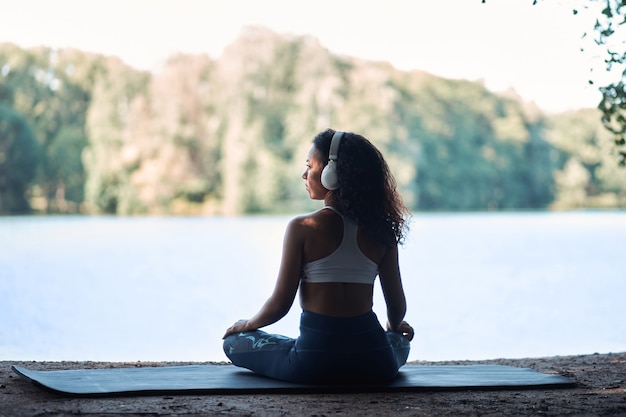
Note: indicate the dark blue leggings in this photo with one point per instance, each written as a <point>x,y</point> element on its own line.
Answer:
<point>329,350</point>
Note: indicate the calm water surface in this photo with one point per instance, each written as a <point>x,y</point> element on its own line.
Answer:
<point>479,286</point>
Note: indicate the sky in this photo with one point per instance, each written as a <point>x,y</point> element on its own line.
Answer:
<point>534,49</point>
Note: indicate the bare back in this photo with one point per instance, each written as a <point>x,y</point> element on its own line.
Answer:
<point>323,237</point>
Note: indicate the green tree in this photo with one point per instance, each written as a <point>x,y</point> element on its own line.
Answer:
<point>42,89</point>
<point>474,150</point>
<point>19,158</point>
<point>265,100</point>
<point>176,144</point>
<point>116,90</point>
<point>586,175</point>
<point>610,21</point>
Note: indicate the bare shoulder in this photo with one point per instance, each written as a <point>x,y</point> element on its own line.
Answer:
<point>310,219</point>
<point>306,224</point>
<point>301,225</point>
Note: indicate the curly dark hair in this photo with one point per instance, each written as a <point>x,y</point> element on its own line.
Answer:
<point>367,191</point>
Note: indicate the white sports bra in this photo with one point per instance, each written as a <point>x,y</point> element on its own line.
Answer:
<point>347,264</point>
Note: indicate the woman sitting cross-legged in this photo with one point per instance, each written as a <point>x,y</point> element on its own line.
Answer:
<point>333,257</point>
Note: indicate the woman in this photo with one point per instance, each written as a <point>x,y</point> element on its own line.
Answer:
<point>333,256</point>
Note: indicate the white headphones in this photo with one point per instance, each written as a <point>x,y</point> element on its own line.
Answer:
<point>329,174</point>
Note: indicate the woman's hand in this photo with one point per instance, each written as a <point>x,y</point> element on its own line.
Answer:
<point>404,328</point>
<point>239,326</point>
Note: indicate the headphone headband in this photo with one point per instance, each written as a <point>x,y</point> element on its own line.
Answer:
<point>334,146</point>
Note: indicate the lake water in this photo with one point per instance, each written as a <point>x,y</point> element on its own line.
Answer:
<point>479,286</point>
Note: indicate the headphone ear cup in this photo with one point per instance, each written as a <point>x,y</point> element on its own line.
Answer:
<point>329,176</point>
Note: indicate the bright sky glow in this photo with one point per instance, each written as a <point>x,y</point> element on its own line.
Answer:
<point>506,43</point>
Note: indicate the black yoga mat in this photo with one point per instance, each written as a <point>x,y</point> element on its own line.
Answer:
<point>228,379</point>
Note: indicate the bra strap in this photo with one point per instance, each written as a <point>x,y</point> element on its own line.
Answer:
<point>333,209</point>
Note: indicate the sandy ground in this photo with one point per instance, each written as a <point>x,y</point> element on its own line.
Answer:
<point>600,391</point>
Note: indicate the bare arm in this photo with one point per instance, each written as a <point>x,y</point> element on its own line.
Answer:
<point>391,283</point>
<point>281,299</point>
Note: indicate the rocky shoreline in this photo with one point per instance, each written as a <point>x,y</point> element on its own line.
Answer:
<point>600,391</point>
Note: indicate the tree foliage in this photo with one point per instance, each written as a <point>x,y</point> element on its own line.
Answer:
<point>613,104</point>
<point>38,85</point>
<point>230,136</point>
<point>19,157</point>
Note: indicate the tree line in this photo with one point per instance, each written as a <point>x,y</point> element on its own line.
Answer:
<point>86,133</point>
